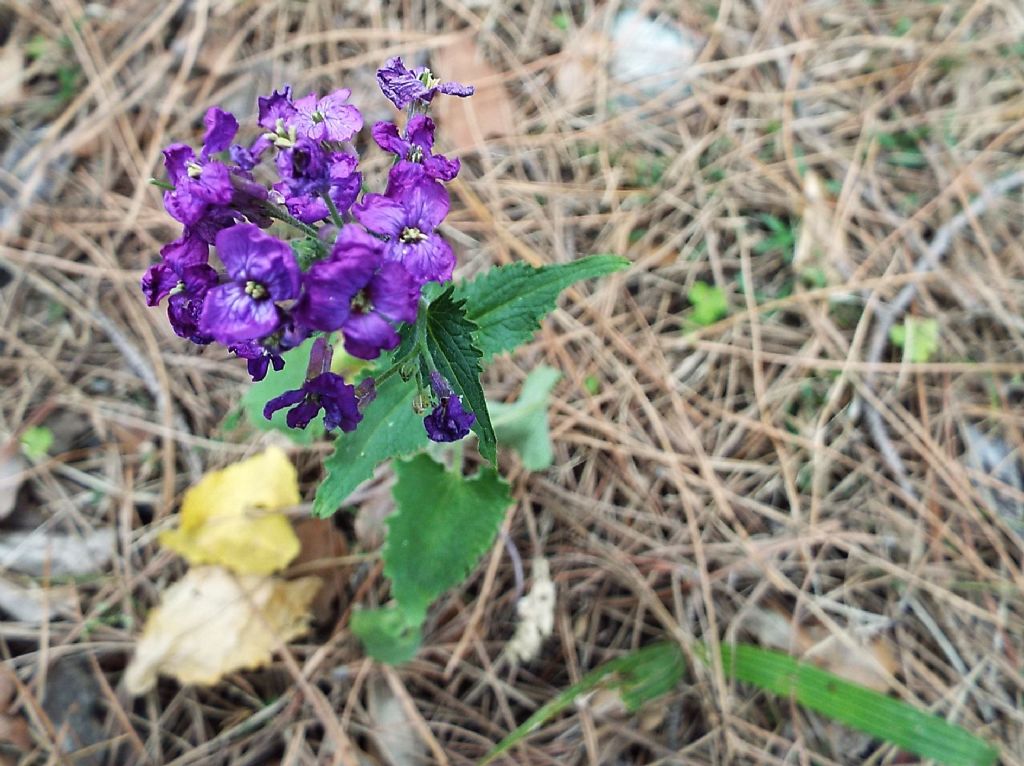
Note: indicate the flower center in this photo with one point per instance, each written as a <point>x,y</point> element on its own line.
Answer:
<point>194,169</point>
<point>427,78</point>
<point>255,290</point>
<point>411,235</point>
<point>361,303</point>
<point>317,117</point>
<point>415,154</point>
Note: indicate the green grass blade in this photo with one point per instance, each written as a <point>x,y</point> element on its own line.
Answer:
<point>655,670</point>
<point>859,708</point>
<point>640,676</point>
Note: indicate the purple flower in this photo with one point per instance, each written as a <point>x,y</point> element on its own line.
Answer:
<point>185,304</point>
<point>328,392</point>
<point>308,172</point>
<point>200,181</point>
<point>246,158</point>
<point>261,354</point>
<point>407,216</point>
<point>357,291</point>
<point>416,146</point>
<point>448,421</point>
<point>163,277</point>
<point>402,86</point>
<point>328,118</point>
<point>221,128</point>
<point>276,107</point>
<point>262,270</point>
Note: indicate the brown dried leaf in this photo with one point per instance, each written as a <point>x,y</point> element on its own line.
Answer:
<point>321,542</point>
<point>213,622</point>
<point>467,122</point>
<point>13,729</point>
<point>869,663</point>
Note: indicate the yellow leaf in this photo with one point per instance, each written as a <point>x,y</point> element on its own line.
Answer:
<point>228,518</point>
<point>214,622</point>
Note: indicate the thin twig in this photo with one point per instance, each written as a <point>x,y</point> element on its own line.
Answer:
<point>889,314</point>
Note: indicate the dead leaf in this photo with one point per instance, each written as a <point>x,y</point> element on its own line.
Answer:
<point>393,734</point>
<point>320,542</point>
<point>40,552</point>
<point>13,728</point>
<point>73,700</point>
<point>466,123</point>
<point>214,622</point>
<point>869,663</point>
<point>11,59</point>
<point>229,517</point>
<point>580,64</point>
<point>12,475</point>
<point>34,604</point>
<point>640,54</point>
<point>375,504</point>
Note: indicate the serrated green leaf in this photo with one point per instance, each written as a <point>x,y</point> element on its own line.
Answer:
<point>276,383</point>
<point>858,707</point>
<point>390,428</point>
<point>508,303</point>
<point>919,338</point>
<point>442,525</point>
<point>36,441</point>
<point>386,635</point>
<point>639,677</point>
<point>523,424</point>
<point>452,346</point>
<point>709,303</point>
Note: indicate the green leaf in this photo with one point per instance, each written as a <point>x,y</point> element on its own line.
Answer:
<point>386,634</point>
<point>276,383</point>
<point>36,441</point>
<point>390,428</point>
<point>523,425</point>
<point>452,346</point>
<point>649,672</point>
<point>877,714</point>
<point>709,304</point>
<point>507,303</point>
<point>442,525</point>
<point>639,677</point>
<point>919,338</point>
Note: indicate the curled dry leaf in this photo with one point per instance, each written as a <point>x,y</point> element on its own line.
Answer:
<point>214,622</point>
<point>390,729</point>
<point>34,604</point>
<point>229,517</point>
<point>870,663</point>
<point>489,113</point>
<point>41,552</point>
<point>12,474</point>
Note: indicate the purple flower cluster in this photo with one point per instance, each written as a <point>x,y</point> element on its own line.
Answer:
<point>370,256</point>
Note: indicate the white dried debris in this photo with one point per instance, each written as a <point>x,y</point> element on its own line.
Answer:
<point>536,612</point>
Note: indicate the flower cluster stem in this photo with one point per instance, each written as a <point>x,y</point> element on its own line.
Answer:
<point>276,212</point>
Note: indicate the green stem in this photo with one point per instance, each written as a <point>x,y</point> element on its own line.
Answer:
<point>275,212</point>
<point>335,215</point>
<point>419,347</point>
